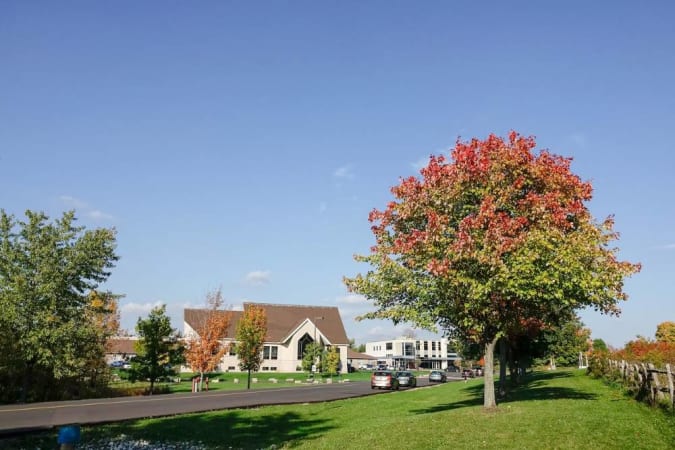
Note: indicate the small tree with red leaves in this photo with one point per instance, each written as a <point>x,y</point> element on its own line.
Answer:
<point>205,350</point>
<point>493,236</point>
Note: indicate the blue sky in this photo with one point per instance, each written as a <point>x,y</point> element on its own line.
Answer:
<point>241,145</point>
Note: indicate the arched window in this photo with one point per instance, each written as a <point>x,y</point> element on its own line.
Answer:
<point>302,342</point>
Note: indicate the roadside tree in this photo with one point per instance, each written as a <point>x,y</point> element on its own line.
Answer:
<point>332,364</point>
<point>159,351</point>
<point>204,350</point>
<point>313,357</point>
<point>665,332</point>
<point>251,332</point>
<point>491,237</point>
<point>48,339</point>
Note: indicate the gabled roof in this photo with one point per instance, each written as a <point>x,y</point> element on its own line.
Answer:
<point>121,345</point>
<point>282,320</point>
<point>197,317</point>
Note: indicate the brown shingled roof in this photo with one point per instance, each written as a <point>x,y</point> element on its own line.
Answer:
<point>282,320</point>
<point>121,346</point>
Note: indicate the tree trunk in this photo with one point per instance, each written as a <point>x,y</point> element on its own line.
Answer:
<point>248,383</point>
<point>503,358</point>
<point>489,401</point>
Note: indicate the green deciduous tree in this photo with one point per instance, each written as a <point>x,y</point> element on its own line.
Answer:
<point>332,361</point>
<point>251,332</point>
<point>665,332</point>
<point>561,345</point>
<point>313,356</point>
<point>159,351</point>
<point>50,344</point>
<point>492,237</point>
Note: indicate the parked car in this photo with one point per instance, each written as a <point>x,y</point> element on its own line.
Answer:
<point>436,376</point>
<point>383,379</point>
<point>468,373</point>
<point>117,364</point>
<point>406,379</point>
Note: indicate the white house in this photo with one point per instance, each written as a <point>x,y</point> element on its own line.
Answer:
<point>289,329</point>
<point>412,353</point>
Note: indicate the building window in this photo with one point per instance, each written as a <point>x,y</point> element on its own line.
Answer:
<point>232,350</point>
<point>426,345</point>
<point>433,345</point>
<point>305,340</point>
<point>230,367</point>
<point>270,352</point>
<point>417,345</point>
<point>389,346</point>
<point>273,369</point>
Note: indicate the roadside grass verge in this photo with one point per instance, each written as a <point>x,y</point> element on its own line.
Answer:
<point>555,410</point>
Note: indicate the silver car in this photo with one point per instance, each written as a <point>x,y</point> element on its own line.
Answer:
<point>383,379</point>
<point>406,379</point>
<point>437,376</point>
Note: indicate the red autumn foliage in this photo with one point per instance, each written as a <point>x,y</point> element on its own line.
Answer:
<point>647,351</point>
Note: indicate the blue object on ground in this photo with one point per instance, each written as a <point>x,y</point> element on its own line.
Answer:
<point>69,434</point>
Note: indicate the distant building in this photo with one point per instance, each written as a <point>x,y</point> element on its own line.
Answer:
<point>120,349</point>
<point>290,328</point>
<point>360,361</point>
<point>412,353</point>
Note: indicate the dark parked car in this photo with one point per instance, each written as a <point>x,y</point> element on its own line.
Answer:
<point>383,379</point>
<point>436,376</point>
<point>406,379</point>
<point>468,373</point>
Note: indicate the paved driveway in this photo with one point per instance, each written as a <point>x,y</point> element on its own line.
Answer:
<point>15,418</point>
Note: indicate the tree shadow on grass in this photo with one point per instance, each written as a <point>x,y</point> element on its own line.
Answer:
<point>227,429</point>
<point>536,386</point>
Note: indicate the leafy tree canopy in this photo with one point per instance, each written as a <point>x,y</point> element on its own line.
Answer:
<point>492,237</point>
<point>251,332</point>
<point>665,332</point>
<point>51,335</point>
<point>159,351</point>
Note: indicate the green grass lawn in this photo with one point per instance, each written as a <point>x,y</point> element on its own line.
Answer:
<point>226,381</point>
<point>555,410</point>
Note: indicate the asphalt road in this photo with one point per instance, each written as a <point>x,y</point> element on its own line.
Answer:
<point>17,418</point>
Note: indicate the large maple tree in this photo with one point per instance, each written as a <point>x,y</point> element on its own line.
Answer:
<point>493,236</point>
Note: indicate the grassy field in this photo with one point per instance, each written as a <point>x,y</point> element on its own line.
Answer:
<point>555,410</point>
<point>226,381</point>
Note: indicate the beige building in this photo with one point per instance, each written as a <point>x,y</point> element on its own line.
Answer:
<point>289,329</point>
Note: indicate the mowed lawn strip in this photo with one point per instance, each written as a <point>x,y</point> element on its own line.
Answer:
<point>556,410</point>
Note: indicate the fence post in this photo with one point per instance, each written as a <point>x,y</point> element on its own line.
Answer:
<point>671,389</point>
<point>656,385</point>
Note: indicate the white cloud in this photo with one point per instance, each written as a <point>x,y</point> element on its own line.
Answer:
<point>72,202</point>
<point>258,277</point>
<point>76,203</point>
<point>134,307</point>
<point>98,215</point>
<point>343,172</point>
<point>352,299</point>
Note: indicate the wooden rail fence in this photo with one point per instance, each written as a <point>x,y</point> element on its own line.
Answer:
<point>656,384</point>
